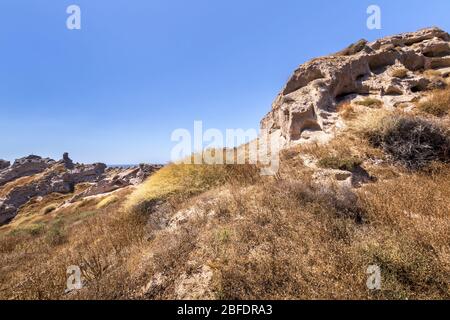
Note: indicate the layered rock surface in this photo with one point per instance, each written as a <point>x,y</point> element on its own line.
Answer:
<point>24,167</point>
<point>34,176</point>
<point>306,108</point>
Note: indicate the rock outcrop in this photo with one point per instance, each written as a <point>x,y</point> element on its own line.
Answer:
<point>47,176</point>
<point>118,179</point>
<point>4,164</point>
<point>306,108</point>
<point>25,167</point>
<point>68,163</point>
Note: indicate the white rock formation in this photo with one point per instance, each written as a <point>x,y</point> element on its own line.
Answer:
<point>306,109</point>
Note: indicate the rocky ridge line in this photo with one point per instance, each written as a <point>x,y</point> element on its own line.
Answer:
<point>33,176</point>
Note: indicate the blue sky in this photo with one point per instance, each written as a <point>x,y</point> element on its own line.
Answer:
<point>138,69</point>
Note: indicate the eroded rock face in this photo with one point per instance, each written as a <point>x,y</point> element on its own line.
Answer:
<point>25,167</point>
<point>117,180</point>
<point>50,182</point>
<point>307,105</point>
<point>48,176</point>
<point>4,164</point>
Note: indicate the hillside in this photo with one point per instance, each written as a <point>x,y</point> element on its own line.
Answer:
<point>363,180</point>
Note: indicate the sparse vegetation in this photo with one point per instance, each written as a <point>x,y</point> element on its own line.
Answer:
<point>347,164</point>
<point>181,181</point>
<point>287,237</point>
<point>411,141</point>
<point>437,103</point>
<point>107,201</point>
<point>48,209</point>
<point>55,235</point>
<point>370,102</point>
<point>347,111</point>
<point>399,73</point>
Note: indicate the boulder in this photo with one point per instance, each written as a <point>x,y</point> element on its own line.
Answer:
<point>68,163</point>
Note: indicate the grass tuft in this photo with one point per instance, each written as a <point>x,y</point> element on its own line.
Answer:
<point>437,104</point>
<point>370,102</point>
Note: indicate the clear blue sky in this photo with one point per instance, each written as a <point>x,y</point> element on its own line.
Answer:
<point>138,69</point>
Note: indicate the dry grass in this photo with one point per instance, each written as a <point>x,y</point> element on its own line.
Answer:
<point>411,141</point>
<point>411,244</point>
<point>347,163</point>
<point>347,111</point>
<point>48,209</point>
<point>283,237</point>
<point>437,103</point>
<point>182,181</point>
<point>399,73</point>
<point>430,73</point>
<point>107,201</point>
<point>370,102</point>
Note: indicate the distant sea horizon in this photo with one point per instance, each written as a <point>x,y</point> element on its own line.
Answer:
<point>127,166</point>
<point>122,166</point>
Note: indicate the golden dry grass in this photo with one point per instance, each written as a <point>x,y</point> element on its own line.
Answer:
<point>370,102</point>
<point>399,73</point>
<point>107,201</point>
<point>282,237</point>
<point>185,180</point>
<point>437,103</point>
<point>347,111</point>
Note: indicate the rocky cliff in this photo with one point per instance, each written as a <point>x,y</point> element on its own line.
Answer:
<point>392,70</point>
<point>33,176</point>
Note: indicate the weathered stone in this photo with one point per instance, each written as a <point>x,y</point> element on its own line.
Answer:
<point>68,163</point>
<point>307,106</point>
<point>4,164</point>
<point>52,180</point>
<point>120,180</point>
<point>25,167</point>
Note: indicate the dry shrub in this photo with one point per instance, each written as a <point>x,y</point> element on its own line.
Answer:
<point>100,244</point>
<point>370,102</point>
<point>284,237</point>
<point>345,163</point>
<point>271,253</point>
<point>399,73</point>
<point>411,233</point>
<point>107,201</point>
<point>48,209</point>
<point>347,111</point>
<point>437,104</point>
<point>411,141</point>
